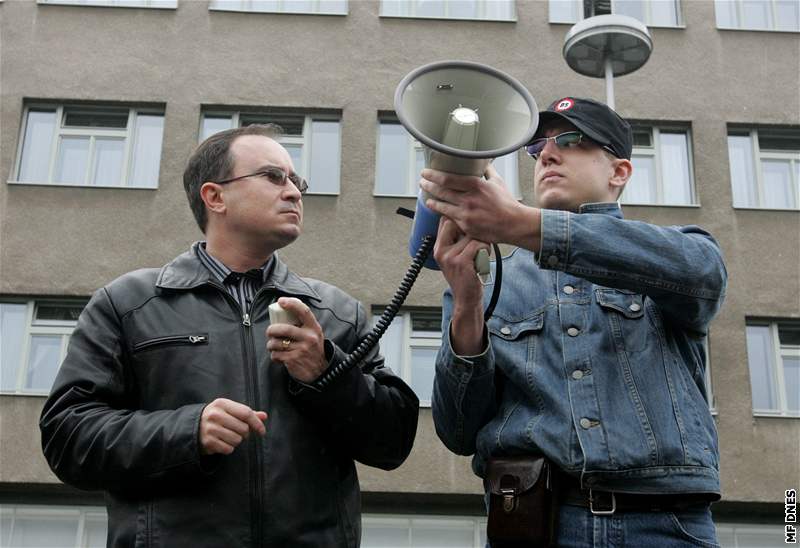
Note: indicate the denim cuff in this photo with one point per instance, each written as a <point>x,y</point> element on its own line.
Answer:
<point>467,367</point>
<point>554,240</point>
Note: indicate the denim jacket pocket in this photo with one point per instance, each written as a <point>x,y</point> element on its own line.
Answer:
<point>625,313</point>
<point>515,343</point>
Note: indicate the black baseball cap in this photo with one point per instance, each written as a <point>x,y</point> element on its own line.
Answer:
<point>596,120</point>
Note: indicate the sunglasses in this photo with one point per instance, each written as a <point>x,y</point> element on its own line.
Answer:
<point>567,139</point>
<point>274,175</point>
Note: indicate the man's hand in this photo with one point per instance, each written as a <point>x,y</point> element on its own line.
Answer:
<point>300,348</point>
<point>455,253</point>
<point>483,210</point>
<point>225,423</point>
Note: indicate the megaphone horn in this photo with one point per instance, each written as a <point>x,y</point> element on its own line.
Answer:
<point>465,114</point>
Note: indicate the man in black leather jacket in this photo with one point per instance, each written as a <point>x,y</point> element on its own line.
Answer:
<point>200,420</point>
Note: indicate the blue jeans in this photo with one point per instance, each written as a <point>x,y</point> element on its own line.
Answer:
<point>578,528</point>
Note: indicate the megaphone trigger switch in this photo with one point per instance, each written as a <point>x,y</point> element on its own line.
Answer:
<point>482,266</point>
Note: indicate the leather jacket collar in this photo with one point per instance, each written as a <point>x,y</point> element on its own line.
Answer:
<point>187,272</point>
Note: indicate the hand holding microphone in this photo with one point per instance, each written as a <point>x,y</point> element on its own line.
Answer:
<point>295,339</point>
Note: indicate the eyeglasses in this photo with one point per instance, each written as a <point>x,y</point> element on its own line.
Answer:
<point>564,140</point>
<point>274,175</point>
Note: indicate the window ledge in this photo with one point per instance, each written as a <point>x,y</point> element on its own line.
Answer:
<point>394,195</point>
<point>690,206</point>
<point>70,185</point>
<point>762,415</point>
<point>320,194</point>
<point>759,30</point>
<point>750,208</point>
<point>442,18</point>
<point>676,27</point>
<point>172,6</point>
<point>275,12</point>
<point>25,394</point>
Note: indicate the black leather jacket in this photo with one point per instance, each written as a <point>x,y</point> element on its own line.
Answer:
<point>152,348</point>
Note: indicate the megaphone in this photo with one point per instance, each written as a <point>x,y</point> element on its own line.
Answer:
<point>465,114</point>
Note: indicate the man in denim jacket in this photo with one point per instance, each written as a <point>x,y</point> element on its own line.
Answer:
<point>599,336</point>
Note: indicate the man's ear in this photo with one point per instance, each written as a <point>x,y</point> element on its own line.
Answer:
<point>211,194</point>
<point>623,169</point>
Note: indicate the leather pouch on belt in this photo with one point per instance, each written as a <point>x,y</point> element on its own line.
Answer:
<point>521,506</point>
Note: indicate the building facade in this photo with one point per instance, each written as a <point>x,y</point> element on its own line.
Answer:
<point>102,102</point>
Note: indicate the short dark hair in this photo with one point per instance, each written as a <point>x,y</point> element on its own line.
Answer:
<point>212,161</point>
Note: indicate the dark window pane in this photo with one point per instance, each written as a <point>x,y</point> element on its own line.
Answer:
<point>779,140</point>
<point>642,137</point>
<point>292,124</point>
<point>789,335</point>
<point>94,117</point>
<point>58,312</point>
<point>426,321</point>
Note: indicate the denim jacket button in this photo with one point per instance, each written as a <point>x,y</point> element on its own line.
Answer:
<point>552,260</point>
<point>577,374</point>
<point>505,330</point>
<point>635,307</point>
<point>585,423</point>
<point>573,331</point>
<point>569,290</point>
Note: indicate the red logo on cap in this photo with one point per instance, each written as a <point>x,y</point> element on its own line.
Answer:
<point>564,104</point>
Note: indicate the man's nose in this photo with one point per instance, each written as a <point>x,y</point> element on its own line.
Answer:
<point>550,152</point>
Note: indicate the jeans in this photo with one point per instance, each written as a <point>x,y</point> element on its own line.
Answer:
<point>578,528</point>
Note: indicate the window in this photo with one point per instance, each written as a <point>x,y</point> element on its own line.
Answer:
<point>409,347</point>
<point>319,7</point>
<point>773,355</point>
<point>90,146</point>
<point>397,531</point>
<point>490,10</point>
<point>749,535</point>
<point>24,526</point>
<point>653,13</point>
<point>313,141</point>
<point>33,343</point>
<point>772,15</point>
<point>765,168</point>
<point>662,168</point>
<point>165,4</point>
<point>401,158</point>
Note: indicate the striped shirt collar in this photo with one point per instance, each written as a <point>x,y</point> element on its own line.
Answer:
<point>225,275</point>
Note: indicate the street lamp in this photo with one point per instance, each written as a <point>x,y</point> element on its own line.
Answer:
<point>607,46</point>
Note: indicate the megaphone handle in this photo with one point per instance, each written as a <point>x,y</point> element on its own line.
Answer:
<point>482,264</point>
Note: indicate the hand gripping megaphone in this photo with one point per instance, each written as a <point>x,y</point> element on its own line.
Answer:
<point>465,114</point>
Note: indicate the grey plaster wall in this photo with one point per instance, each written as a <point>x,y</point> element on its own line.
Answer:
<point>70,241</point>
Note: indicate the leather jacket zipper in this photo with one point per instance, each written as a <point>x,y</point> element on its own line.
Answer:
<point>199,338</point>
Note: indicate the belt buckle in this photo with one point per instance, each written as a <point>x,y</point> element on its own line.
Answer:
<point>602,512</point>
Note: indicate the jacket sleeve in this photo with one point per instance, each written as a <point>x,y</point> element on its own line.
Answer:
<point>463,399</point>
<point>369,411</point>
<point>680,268</point>
<point>91,436</point>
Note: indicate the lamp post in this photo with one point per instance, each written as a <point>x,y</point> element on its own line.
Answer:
<point>605,46</point>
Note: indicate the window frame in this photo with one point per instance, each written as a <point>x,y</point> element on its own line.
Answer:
<point>778,351</point>
<point>740,19</point>
<point>413,146</point>
<point>128,135</point>
<point>412,6</point>
<point>655,152</point>
<point>680,22</point>
<point>304,141</point>
<point>757,156</point>
<point>82,514</point>
<point>409,521</point>
<point>62,328</point>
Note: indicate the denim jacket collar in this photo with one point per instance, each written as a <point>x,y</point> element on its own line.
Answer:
<point>609,208</point>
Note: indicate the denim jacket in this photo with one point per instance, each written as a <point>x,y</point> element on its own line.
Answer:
<point>600,338</point>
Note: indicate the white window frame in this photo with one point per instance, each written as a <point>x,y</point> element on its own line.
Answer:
<point>773,16</point>
<point>147,4</point>
<point>413,146</point>
<point>654,152</point>
<point>81,514</point>
<point>411,8</point>
<point>247,6</point>
<point>758,156</point>
<point>409,522</point>
<point>779,351</point>
<point>64,328</point>
<point>128,135</point>
<point>579,10</point>
<point>410,340</point>
<point>712,403</point>
<point>304,140</point>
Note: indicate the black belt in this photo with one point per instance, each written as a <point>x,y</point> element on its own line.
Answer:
<point>608,502</point>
